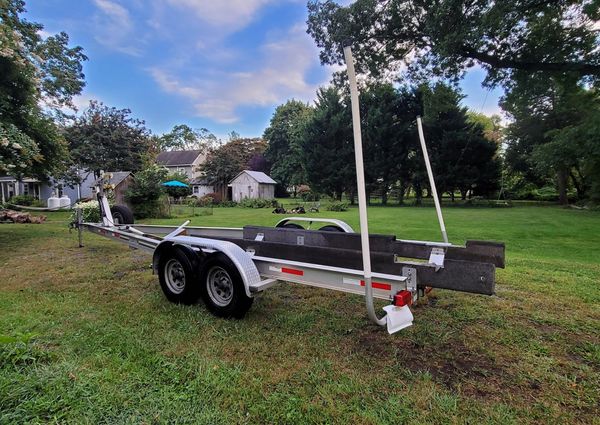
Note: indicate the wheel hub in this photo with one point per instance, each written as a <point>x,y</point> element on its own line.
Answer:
<point>219,286</point>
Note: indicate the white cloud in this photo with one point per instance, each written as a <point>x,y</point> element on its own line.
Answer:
<point>280,75</point>
<point>114,27</point>
<point>228,15</point>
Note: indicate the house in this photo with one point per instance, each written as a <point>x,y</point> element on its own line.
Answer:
<point>252,184</point>
<point>201,187</point>
<point>121,180</point>
<point>12,186</point>
<point>182,161</point>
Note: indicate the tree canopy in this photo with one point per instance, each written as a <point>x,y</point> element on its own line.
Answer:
<point>38,77</point>
<point>224,162</point>
<point>284,151</point>
<point>107,138</point>
<point>183,137</point>
<point>448,36</point>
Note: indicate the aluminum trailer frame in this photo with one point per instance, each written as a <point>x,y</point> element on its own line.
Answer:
<point>230,266</point>
<point>325,259</point>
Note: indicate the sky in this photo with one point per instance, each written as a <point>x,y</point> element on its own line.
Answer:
<point>224,65</point>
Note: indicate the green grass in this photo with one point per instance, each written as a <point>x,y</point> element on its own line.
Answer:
<point>87,337</point>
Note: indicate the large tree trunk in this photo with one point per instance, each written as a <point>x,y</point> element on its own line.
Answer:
<point>384,196</point>
<point>562,187</point>
<point>463,194</point>
<point>418,194</point>
<point>579,186</point>
<point>401,194</point>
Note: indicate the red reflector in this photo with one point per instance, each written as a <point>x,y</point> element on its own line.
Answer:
<point>378,285</point>
<point>403,298</point>
<point>292,271</point>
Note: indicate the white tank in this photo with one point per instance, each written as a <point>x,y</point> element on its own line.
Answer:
<point>53,201</point>
<point>64,201</point>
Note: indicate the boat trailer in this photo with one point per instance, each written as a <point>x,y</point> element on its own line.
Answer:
<point>229,267</point>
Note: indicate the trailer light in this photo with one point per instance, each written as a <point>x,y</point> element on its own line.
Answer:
<point>403,298</point>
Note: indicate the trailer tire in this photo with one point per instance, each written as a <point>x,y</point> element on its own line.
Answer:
<point>222,288</point>
<point>178,276</point>
<point>121,214</point>
<point>331,228</point>
<point>291,226</point>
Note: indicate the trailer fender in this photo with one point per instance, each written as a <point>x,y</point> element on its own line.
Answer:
<point>197,257</point>
<point>240,258</point>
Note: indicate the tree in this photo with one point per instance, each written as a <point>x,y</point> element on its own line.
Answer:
<point>492,125</point>
<point>146,191</point>
<point>462,157</point>
<point>544,111</point>
<point>448,36</point>
<point>389,135</point>
<point>34,72</point>
<point>327,145</point>
<point>283,143</point>
<point>107,138</point>
<point>183,137</point>
<point>224,162</point>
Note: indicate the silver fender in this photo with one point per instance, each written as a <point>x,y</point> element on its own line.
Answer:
<point>240,258</point>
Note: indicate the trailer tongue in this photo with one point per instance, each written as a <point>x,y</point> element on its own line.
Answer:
<point>228,267</point>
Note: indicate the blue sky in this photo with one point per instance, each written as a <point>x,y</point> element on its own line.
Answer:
<point>219,64</point>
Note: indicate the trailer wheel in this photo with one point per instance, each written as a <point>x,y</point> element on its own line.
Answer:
<point>178,277</point>
<point>291,226</point>
<point>331,228</point>
<point>121,214</point>
<point>222,288</point>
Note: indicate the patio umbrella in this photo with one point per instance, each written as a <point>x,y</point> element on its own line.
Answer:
<point>174,183</point>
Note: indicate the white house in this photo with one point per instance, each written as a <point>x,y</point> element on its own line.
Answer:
<point>12,186</point>
<point>201,187</point>
<point>182,161</point>
<point>252,184</point>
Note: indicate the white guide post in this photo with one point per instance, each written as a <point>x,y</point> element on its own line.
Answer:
<point>436,201</point>
<point>362,197</point>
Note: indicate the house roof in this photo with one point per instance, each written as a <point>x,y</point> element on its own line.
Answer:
<point>117,177</point>
<point>173,158</point>
<point>259,176</point>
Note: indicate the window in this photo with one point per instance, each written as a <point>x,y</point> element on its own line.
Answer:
<point>196,189</point>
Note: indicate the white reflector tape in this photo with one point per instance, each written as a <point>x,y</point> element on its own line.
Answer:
<point>376,285</point>
<point>287,270</point>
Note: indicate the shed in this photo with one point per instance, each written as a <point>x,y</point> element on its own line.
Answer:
<point>201,187</point>
<point>252,184</point>
<point>121,180</point>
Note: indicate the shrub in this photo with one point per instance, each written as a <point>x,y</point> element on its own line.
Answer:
<point>90,212</point>
<point>258,203</point>
<point>227,204</point>
<point>338,206</point>
<point>147,195</point>
<point>310,196</point>
<point>203,202</point>
<point>216,197</point>
<point>25,200</point>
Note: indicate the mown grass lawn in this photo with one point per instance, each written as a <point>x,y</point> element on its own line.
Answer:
<point>87,336</point>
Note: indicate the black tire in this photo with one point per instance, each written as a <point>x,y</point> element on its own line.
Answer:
<point>178,276</point>
<point>291,226</point>
<point>121,214</point>
<point>331,228</point>
<point>222,288</point>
